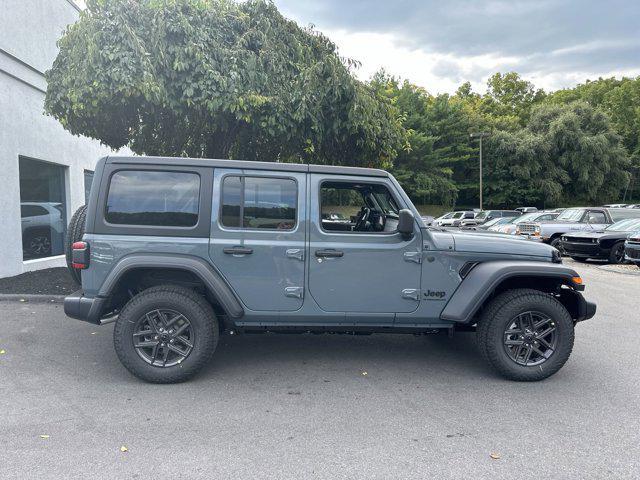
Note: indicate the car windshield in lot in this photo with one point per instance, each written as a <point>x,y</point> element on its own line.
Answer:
<point>571,214</point>
<point>625,225</point>
<point>618,214</point>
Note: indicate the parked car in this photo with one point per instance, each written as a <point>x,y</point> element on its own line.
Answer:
<point>633,205</point>
<point>455,219</point>
<point>490,223</point>
<point>445,216</point>
<point>632,248</point>
<point>615,205</point>
<point>487,215</point>
<point>512,226</point>
<point>526,209</point>
<point>606,244</point>
<point>178,251</point>
<point>42,226</point>
<point>574,220</point>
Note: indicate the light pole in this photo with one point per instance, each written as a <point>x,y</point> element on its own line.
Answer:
<point>480,135</point>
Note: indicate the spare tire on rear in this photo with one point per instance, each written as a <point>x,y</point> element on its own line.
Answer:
<point>75,231</point>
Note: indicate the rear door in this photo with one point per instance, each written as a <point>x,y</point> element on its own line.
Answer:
<point>258,236</point>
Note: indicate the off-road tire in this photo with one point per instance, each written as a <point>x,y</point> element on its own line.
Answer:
<point>500,312</point>
<point>180,299</point>
<point>75,231</point>
<point>612,254</point>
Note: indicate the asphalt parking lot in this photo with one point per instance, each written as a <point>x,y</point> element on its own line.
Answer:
<point>305,407</point>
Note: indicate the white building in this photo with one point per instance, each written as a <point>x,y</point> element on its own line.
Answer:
<point>44,170</point>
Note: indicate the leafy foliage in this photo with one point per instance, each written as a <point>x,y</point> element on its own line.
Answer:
<point>228,79</point>
<point>215,78</point>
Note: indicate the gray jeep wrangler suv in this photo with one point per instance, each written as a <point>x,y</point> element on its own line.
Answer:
<point>178,251</point>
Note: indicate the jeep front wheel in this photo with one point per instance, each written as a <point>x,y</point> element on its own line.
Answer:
<point>526,335</point>
<point>166,334</point>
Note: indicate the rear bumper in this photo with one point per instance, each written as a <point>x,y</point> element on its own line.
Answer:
<point>87,309</point>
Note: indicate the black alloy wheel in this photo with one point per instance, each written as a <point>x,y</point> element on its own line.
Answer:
<point>530,339</point>
<point>163,337</point>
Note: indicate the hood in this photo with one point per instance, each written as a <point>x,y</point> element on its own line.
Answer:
<point>488,242</point>
<point>600,234</point>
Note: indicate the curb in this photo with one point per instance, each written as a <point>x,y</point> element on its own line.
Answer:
<point>16,297</point>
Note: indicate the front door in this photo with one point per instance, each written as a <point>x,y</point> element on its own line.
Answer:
<point>358,262</point>
<point>258,236</point>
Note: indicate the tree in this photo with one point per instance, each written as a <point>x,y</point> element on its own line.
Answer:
<point>566,155</point>
<point>510,96</point>
<point>215,78</point>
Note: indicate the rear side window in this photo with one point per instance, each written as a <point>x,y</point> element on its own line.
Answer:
<point>153,198</point>
<point>258,203</point>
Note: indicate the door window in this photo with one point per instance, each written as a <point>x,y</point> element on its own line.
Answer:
<point>355,207</point>
<point>263,203</point>
<point>596,217</point>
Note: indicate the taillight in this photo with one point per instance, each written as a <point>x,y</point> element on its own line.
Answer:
<point>80,255</point>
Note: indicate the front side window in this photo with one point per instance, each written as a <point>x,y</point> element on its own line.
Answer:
<point>596,217</point>
<point>153,198</point>
<point>262,203</point>
<point>358,208</point>
<point>571,215</point>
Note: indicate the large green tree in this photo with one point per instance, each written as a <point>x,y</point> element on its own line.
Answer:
<point>566,155</point>
<point>215,78</point>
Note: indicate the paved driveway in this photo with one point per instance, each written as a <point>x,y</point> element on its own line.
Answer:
<point>299,406</point>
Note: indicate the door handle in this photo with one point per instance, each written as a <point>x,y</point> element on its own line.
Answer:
<point>238,251</point>
<point>329,253</point>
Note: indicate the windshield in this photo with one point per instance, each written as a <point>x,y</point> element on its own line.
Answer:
<point>482,215</point>
<point>625,225</point>
<point>386,202</point>
<point>527,217</point>
<point>572,214</point>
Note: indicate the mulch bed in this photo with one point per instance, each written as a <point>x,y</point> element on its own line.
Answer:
<point>51,281</point>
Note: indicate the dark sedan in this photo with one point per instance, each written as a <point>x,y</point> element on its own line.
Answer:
<point>606,244</point>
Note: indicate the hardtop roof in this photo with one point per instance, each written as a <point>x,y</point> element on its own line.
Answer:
<point>250,165</point>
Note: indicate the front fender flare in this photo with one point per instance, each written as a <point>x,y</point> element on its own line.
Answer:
<point>483,279</point>
<point>203,270</point>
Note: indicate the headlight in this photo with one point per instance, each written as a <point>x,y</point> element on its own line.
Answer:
<point>564,239</point>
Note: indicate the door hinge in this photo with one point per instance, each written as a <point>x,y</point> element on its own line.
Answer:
<point>297,253</point>
<point>415,257</point>
<point>294,292</point>
<point>411,294</point>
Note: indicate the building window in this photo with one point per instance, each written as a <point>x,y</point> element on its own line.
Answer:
<point>88,179</point>
<point>147,197</point>
<point>263,203</point>
<point>42,208</point>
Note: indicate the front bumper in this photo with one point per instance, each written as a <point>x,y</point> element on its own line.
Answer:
<point>586,311</point>
<point>584,250</point>
<point>632,252</point>
<point>87,309</point>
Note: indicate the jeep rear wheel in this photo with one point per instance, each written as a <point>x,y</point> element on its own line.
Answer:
<point>166,334</point>
<point>525,335</point>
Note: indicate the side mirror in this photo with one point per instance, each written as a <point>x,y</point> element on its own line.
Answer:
<point>406,223</point>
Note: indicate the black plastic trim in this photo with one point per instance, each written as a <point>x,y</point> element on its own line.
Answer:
<point>485,277</point>
<point>84,308</point>
<point>203,270</point>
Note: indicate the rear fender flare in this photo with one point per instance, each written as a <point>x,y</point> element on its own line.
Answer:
<point>216,284</point>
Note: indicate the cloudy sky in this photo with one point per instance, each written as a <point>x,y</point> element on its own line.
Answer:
<point>440,44</point>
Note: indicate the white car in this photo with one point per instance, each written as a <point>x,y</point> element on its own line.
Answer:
<point>42,228</point>
<point>455,219</point>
